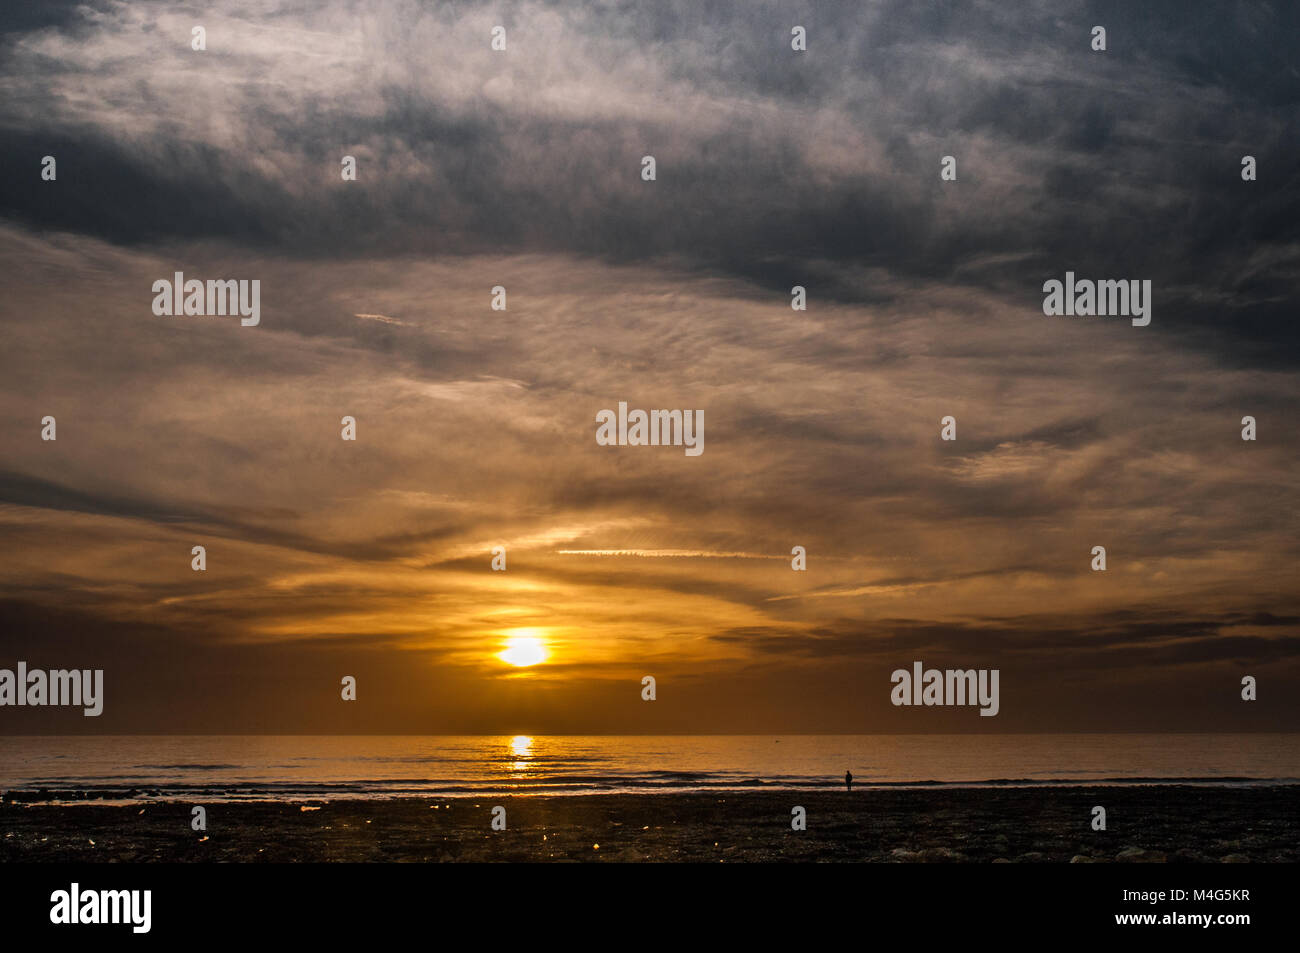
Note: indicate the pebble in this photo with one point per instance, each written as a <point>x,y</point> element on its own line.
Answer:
<point>1137,855</point>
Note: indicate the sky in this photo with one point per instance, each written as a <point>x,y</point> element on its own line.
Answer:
<point>476,428</point>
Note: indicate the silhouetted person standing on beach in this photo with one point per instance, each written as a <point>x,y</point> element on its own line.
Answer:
<point>848,780</point>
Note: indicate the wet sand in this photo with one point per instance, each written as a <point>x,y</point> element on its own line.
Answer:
<point>1019,825</point>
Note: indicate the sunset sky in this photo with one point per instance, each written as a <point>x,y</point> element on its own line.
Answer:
<point>476,428</point>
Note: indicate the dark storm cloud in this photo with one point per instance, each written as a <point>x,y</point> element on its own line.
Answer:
<point>780,168</point>
<point>1108,641</point>
<point>24,490</point>
<point>58,14</point>
<point>230,522</point>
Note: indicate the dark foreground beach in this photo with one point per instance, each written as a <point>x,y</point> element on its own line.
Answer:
<point>1020,825</point>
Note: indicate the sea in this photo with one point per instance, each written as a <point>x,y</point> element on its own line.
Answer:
<point>270,767</point>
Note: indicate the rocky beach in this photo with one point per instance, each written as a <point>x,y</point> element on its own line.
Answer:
<point>1144,824</point>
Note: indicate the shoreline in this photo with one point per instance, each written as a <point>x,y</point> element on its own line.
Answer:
<point>1145,823</point>
<point>230,794</point>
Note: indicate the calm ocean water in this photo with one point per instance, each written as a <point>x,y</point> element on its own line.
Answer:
<point>234,767</point>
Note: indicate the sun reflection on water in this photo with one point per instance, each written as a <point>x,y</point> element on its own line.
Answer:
<point>521,748</point>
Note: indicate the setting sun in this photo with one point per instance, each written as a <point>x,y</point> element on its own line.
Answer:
<point>523,650</point>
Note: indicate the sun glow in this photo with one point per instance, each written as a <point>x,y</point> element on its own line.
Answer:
<point>523,650</point>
